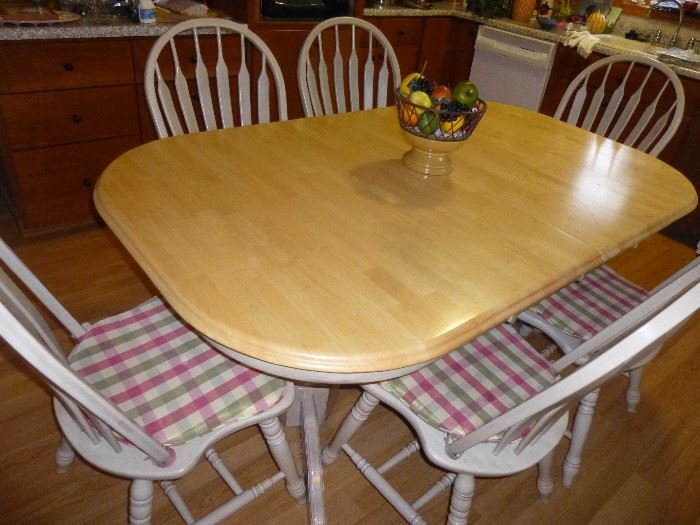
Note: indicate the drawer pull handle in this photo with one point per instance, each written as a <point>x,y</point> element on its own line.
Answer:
<point>68,66</point>
<point>87,183</point>
<point>76,118</point>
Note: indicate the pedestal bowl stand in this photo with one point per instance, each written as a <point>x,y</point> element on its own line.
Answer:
<point>430,150</point>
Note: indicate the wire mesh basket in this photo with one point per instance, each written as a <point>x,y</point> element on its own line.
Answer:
<point>436,122</point>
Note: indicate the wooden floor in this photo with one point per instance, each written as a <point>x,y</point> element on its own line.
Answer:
<point>639,469</point>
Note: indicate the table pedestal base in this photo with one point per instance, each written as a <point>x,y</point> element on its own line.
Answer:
<point>310,411</point>
<point>294,416</point>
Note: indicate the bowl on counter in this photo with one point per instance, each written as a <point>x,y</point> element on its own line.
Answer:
<point>435,132</point>
<point>547,23</point>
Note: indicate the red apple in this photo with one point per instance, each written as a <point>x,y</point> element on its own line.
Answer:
<point>441,92</point>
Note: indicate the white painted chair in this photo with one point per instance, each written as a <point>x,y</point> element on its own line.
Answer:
<point>646,117</point>
<point>492,408</point>
<point>143,397</point>
<point>357,51</point>
<point>179,61</point>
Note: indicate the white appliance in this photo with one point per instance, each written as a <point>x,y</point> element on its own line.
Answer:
<point>511,68</point>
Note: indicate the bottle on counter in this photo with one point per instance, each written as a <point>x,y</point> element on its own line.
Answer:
<point>147,11</point>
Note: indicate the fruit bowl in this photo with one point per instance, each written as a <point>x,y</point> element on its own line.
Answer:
<point>547,23</point>
<point>435,132</point>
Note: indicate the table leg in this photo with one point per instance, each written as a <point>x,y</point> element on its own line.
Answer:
<point>312,450</point>
<point>293,417</point>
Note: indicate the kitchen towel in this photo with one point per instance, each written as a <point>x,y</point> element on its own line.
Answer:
<point>583,41</point>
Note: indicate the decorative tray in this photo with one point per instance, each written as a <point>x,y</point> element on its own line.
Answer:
<point>32,15</point>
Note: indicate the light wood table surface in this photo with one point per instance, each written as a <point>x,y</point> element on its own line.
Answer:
<point>308,250</point>
<point>307,243</point>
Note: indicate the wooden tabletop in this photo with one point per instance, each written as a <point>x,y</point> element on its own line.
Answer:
<point>308,244</point>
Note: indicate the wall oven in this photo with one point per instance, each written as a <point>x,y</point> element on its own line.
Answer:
<point>304,9</point>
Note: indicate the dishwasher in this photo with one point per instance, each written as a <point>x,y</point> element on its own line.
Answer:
<point>511,68</point>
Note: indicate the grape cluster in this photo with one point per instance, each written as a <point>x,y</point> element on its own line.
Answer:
<point>421,84</point>
<point>450,110</point>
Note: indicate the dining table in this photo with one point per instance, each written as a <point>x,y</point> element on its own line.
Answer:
<point>307,249</point>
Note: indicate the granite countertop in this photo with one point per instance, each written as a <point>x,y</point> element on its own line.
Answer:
<point>84,28</point>
<point>116,28</point>
<point>624,24</point>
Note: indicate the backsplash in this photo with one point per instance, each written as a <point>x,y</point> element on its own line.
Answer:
<point>645,26</point>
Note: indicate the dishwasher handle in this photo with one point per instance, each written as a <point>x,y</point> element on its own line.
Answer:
<point>517,53</point>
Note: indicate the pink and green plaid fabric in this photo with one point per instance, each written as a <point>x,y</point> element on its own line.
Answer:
<point>166,378</point>
<point>475,383</point>
<point>585,307</point>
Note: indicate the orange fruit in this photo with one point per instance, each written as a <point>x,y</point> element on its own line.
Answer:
<point>408,115</point>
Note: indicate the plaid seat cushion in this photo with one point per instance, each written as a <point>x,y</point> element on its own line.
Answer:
<point>585,307</point>
<point>473,384</point>
<point>166,378</point>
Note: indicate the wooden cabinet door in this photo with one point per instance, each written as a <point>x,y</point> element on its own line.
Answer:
<point>286,45</point>
<point>55,189</point>
<point>447,49</point>
<point>405,35</point>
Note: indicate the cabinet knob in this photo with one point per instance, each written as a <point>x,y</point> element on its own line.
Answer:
<point>76,118</point>
<point>87,183</point>
<point>68,66</point>
<point>193,59</point>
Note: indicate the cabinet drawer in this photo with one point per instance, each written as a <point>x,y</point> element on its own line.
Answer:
<point>36,66</point>
<point>187,55</point>
<point>60,117</point>
<point>56,184</point>
<point>402,31</point>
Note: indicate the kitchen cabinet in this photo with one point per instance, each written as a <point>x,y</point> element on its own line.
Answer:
<point>66,110</point>
<point>285,45</point>
<point>447,49</point>
<point>682,152</point>
<point>187,54</point>
<point>406,37</point>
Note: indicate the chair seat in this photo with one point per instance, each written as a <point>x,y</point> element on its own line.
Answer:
<point>167,378</point>
<point>585,307</point>
<point>474,383</point>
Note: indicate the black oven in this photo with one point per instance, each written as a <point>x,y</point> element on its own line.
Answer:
<point>303,9</point>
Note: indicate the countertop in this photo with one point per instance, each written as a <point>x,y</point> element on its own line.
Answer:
<point>449,8</point>
<point>110,28</point>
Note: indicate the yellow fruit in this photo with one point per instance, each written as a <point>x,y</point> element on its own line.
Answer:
<point>596,23</point>
<point>403,88</point>
<point>452,126</point>
<point>421,100</point>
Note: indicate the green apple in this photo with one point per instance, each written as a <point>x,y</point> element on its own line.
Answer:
<point>428,123</point>
<point>466,93</point>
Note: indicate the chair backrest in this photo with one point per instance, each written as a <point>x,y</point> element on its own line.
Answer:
<point>632,99</point>
<point>357,51</point>
<point>613,350</point>
<point>179,62</point>
<point>25,330</point>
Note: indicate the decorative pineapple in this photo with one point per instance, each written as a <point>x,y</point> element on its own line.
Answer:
<point>596,23</point>
<point>522,10</point>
